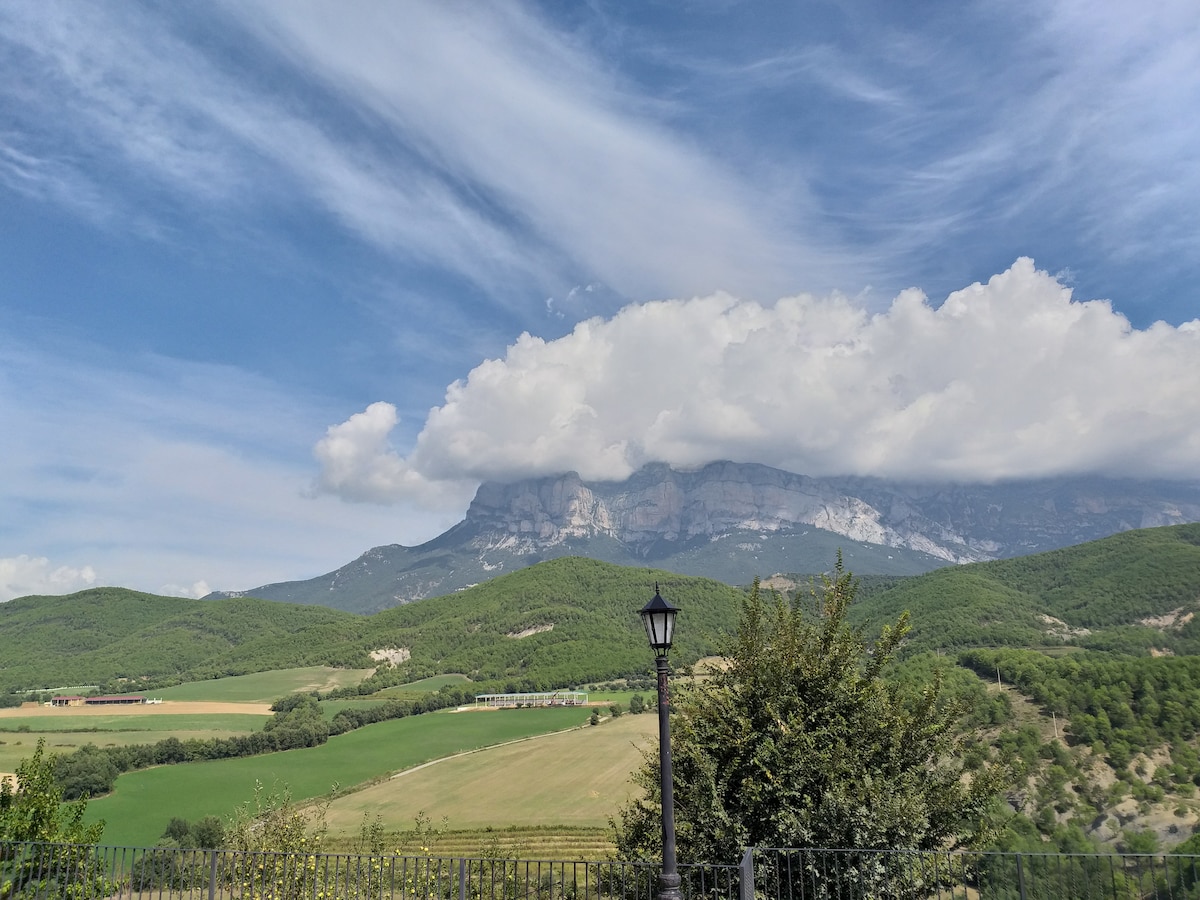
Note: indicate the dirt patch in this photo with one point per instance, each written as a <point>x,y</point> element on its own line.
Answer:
<point>1174,620</point>
<point>1057,628</point>
<point>166,708</point>
<point>529,632</point>
<point>393,656</point>
<point>780,583</point>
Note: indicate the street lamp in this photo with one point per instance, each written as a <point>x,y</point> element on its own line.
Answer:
<point>659,618</point>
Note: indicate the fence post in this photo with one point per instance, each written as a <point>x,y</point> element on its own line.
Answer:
<point>1021,878</point>
<point>212,874</point>
<point>746,881</point>
<point>462,878</point>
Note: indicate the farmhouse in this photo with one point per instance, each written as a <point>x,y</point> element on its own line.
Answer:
<point>544,698</point>
<point>128,700</point>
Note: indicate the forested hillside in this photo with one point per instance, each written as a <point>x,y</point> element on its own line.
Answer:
<point>564,621</point>
<point>107,636</point>
<point>1131,593</point>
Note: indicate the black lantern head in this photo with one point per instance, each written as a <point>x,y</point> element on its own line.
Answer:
<point>659,618</point>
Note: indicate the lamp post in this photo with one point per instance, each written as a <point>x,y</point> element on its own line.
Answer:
<point>659,618</point>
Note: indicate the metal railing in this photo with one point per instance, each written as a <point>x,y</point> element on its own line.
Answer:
<point>67,872</point>
<point>786,874</point>
<point>30,871</point>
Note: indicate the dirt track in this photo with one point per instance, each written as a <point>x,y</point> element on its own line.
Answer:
<point>166,708</point>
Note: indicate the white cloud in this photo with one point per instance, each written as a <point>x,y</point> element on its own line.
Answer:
<point>195,591</point>
<point>1007,379</point>
<point>21,576</point>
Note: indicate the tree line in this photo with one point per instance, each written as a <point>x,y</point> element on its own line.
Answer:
<point>297,721</point>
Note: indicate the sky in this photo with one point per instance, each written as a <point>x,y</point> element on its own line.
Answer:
<point>284,281</point>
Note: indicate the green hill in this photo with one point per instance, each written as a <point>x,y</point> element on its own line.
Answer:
<point>565,621</point>
<point>573,620</point>
<point>1132,592</point>
<point>107,636</point>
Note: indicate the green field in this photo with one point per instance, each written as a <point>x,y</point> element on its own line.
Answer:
<point>425,685</point>
<point>14,748</point>
<point>621,698</point>
<point>264,687</point>
<point>151,725</point>
<point>144,802</point>
<point>576,779</point>
<point>66,733</point>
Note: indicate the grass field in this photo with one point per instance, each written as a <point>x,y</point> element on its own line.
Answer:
<point>265,687</point>
<point>424,686</point>
<point>65,731</point>
<point>575,779</point>
<point>16,747</point>
<point>150,723</point>
<point>144,802</point>
<point>621,698</point>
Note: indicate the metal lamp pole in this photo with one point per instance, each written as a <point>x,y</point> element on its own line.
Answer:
<point>659,618</point>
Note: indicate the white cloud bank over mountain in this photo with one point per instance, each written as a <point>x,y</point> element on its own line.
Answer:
<point>1007,379</point>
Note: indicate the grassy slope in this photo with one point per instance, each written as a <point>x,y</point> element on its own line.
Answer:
<point>574,779</point>
<point>265,687</point>
<point>1111,583</point>
<point>144,802</point>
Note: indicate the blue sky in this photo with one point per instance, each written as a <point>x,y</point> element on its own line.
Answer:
<point>282,281</point>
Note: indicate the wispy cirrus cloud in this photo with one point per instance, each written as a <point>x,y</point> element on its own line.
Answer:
<point>478,141</point>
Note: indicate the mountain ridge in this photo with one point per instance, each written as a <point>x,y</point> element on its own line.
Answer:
<point>734,521</point>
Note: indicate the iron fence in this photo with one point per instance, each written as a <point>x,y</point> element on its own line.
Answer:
<point>30,871</point>
<point>781,874</point>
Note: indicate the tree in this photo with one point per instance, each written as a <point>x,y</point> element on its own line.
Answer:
<point>88,772</point>
<point>803,741</point>
<point>33,811</point>
<point>45,846</point>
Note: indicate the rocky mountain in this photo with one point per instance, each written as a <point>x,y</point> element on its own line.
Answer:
<point>733,521</point>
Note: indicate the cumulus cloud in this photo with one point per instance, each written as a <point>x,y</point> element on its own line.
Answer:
<point>1012,378</point>
<point>195,591</point>
<point>21,576</point>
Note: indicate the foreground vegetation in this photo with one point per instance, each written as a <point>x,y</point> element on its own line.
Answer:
<point>807,739</point>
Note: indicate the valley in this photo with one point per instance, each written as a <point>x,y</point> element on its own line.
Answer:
<point>1078,666</point>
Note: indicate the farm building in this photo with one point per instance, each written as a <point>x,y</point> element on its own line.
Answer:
<point>128,700</point>
<point>544,698</point>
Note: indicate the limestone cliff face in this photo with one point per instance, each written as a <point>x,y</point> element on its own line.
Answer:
<point>955,523</point>
<point>661,504</point>
<point>737,522</point>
